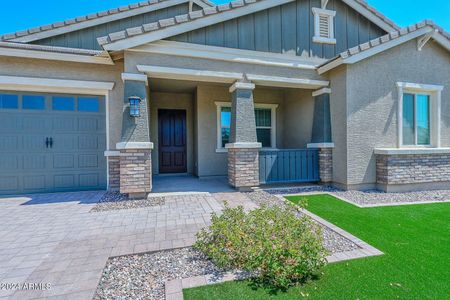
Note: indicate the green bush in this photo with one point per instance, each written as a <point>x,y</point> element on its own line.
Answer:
<point>279,247</point>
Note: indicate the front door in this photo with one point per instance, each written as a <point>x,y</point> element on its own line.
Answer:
<point>172,141</point>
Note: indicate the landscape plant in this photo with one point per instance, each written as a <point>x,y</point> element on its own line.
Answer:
<point>279,247</point>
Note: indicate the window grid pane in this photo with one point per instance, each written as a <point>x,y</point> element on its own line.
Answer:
<point>88,104</point>
<point>423,119</point>
<point>63,103</point>
<point>33,102</point>
<point>225,124</point>
<point>263,117</point>
<point>408,119</point>
<point>9,101</point>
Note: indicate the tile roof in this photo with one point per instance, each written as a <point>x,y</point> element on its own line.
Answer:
<point>82,19</point>
<point>387,38</point>
<point>65,50</point>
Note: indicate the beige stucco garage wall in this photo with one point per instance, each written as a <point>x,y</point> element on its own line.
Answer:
<point>171,101</point>
<point>372,99</point>
<point>74,71</point>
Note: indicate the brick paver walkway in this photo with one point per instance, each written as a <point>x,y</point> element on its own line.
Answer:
<point>54,239</point>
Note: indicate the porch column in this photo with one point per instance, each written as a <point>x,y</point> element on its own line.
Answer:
<point>243,149</point>
<point>135,146</point>
<point>321,134</point>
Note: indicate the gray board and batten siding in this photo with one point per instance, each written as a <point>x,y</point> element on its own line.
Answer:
<point>87,38</point>
<point>289,29</point>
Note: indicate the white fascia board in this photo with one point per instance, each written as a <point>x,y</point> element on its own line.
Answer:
<point>331,65</point>
<point>228,54</point>
<point>321,92</point>
<point>370,15</point>
<point>286,82</point>
<point>160,34</point>
<point>190,74</point>
<point>203,3</point>
<point>97,21</point>
<point>388,45</point>
<point>438,37</point>
<point>36,54</point>
<point>35,84</point>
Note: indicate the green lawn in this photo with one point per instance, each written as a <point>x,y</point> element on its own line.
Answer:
<point>416,264</point>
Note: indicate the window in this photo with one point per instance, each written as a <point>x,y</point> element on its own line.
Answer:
<point>323,26</point>
<point>33,102</point>
<point>419,115</point>
<point>265,115</point>
<point>9,101</point>
<point>416,119</point>
<point>63,103</point>
<point>88,104</point>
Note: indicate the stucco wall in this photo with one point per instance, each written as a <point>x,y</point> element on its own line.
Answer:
<point>338,112</point>
<point>172,101</point>
<point>75,71</point>
<point>298,118</point>
<point>212,163</point>
<point>372,102</point>
<point>132,59</point>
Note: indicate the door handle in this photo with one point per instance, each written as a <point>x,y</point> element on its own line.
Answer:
<point>47,142</point>
<point>51,142</point>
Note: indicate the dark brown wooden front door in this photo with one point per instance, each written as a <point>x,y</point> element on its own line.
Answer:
<point>172,141</point>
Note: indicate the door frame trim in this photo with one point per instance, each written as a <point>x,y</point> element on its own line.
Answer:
<point>185,134</point>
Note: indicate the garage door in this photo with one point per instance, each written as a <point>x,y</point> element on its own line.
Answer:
<point>51,143</point>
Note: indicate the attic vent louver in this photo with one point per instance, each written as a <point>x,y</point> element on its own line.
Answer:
<point>324,26</point>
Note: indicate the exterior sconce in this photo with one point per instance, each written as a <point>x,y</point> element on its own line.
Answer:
<point>135,103</point>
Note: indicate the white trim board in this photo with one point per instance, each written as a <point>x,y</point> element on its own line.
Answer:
<point>100,20</point>
<point>370,15</point>
<point>53,85</point>
<point>36,54</point>
<point>190,74</point>
<point>286,82</point>
<point>228,54</point>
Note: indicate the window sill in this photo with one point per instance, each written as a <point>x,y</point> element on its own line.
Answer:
<point>404,151</point>
<point>322,40</point>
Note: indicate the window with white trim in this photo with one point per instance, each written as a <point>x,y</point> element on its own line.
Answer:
<point>265,118</point>
<point>323,26</point>
<point>419,115</point>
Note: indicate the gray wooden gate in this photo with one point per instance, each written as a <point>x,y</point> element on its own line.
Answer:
<point>284,166</point>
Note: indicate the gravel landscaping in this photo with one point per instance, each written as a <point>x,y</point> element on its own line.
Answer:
<point>117,201</point>
<point>143,276</point>
<point>333,241</point>
<point>370,197</point>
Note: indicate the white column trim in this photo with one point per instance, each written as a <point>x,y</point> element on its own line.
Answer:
<point>134,145</point>
<point>243,145</point>
<point>135,77</point>
<point>321,92</point>
<point>242,86</point>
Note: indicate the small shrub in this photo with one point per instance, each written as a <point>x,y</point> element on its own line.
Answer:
<point>280,247</point>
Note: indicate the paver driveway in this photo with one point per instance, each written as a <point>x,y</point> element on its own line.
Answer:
<point>53,238</point>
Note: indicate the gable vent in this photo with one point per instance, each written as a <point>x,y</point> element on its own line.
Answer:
<point>323,26</point>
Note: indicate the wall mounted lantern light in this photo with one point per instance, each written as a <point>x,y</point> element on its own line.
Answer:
<point>135,103</point>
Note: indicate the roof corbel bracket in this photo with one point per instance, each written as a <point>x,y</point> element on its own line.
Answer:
<point>421,42</point>
<point>324,4</point>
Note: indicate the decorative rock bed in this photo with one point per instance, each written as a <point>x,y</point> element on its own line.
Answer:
<point>143,276</point>
<point>117,201</point>
<point>370,197</point>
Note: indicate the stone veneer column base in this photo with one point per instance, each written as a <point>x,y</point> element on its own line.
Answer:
<point>243,167</point>
<point>326,165</point>
<point>135,172</point>
<point>399,172</point>
<point>113,173</point>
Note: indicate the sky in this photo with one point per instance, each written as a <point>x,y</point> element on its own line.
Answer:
<point>23,14</point>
